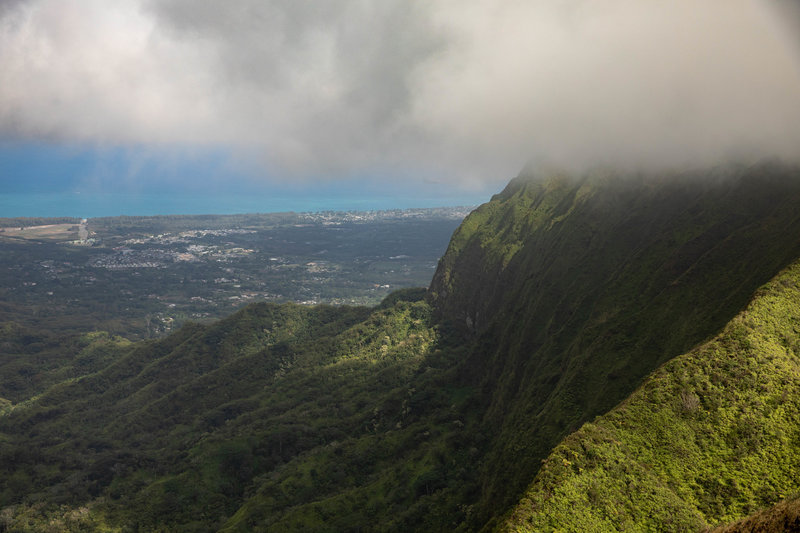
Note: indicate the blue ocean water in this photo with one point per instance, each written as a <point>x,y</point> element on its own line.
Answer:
<point>43,179</point>
<point>101,204</point>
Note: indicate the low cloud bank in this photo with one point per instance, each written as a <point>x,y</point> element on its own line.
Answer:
<point>445,90</point>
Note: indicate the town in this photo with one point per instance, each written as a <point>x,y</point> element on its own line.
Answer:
<point>142,277</point>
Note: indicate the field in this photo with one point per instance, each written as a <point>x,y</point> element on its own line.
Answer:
<point>46,232</point>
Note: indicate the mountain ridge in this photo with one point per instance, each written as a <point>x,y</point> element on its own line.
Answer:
<point>430,412</point>
<point>616,274</point>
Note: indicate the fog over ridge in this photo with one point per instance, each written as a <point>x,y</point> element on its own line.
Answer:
<point>445,89</point>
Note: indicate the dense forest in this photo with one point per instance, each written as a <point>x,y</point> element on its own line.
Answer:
<point>603,352</point>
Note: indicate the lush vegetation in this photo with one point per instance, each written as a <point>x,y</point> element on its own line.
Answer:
<point>33,361</point>
<point>434,410</point>
<point>780,518</point>
<point>710,437</point>
<point>573,289</point>
<point>278,417</point>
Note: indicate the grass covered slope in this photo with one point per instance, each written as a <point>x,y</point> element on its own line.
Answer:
<point>710,437</point>
<point>574,288</point>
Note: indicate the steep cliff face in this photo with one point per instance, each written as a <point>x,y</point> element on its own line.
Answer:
<point>574,289</point>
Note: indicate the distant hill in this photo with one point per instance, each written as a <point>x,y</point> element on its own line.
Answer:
<point>467,407</point>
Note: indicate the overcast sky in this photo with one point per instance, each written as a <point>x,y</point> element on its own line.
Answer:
<point>454,91</point>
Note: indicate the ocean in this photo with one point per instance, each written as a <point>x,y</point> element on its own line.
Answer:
<point>102,204</point>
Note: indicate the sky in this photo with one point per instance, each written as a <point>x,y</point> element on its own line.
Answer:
<point>390,95</point>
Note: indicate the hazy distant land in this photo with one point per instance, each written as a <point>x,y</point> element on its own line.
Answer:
<point>143,276</point>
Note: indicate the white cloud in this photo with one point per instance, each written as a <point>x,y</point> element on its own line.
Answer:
<point>453,90</point>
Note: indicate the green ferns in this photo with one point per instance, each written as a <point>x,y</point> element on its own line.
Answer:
<point>710,437</point>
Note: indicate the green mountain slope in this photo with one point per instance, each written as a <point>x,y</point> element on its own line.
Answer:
<point>258,421</point>
<point>780,518</point>
<point>710,437</point>
<point>662,253</point>
<point>574,289</point>
<point>430,412</point>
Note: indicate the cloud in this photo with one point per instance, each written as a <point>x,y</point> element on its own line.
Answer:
<point>632,81</point>
<point>447,90</point>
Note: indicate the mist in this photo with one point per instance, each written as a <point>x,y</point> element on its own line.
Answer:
<point>446,91</point>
